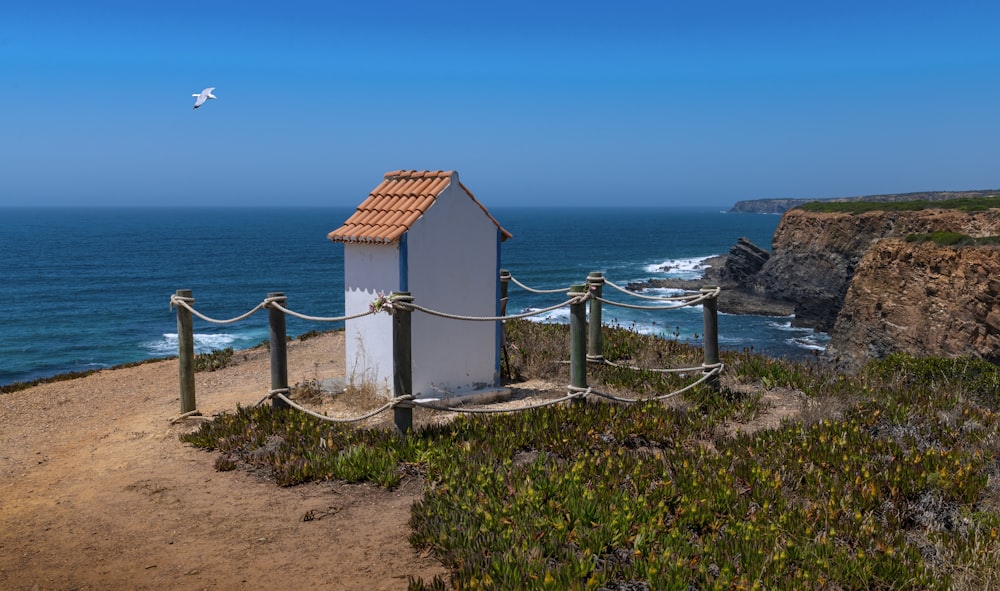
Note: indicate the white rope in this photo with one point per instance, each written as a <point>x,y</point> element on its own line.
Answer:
<point>183,303</point>
<point>648,297</point>
<point>533,290</point>
<point>277,306</point>
<point>413,306</point>
<point>280,394</point>
<point>660,370</point>
<point>716,370</point>
<point>695,299</point>
<point>191,414</point>
<point>271,302</point>
<point>409,401</point>
<point>432,406</point>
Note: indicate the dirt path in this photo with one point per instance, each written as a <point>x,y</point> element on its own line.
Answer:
<point>96,492</point>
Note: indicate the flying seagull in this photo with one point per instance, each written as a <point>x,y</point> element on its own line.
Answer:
<point>203,96</point>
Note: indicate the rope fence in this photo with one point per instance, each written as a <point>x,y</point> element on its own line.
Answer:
<point>585,346</point>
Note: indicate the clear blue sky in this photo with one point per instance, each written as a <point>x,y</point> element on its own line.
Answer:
<point>533,102</point>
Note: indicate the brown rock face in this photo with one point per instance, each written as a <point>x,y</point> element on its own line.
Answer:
<point>814,255</point>
<point>921,299</point>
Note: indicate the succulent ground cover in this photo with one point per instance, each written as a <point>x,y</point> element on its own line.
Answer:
<point>890,483</point>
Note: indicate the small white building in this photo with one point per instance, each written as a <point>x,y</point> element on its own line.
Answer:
<point>425,233</point>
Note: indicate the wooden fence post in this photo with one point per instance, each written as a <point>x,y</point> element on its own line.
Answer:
<point>279,349</point>
<point>595,344</point>
<point>402,357</point>
<point>577,339</point>
<point>711,337</point>
<point>185,352</point>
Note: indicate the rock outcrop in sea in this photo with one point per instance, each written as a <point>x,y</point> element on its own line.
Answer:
<point>744,261</point>
<point>730,272</point>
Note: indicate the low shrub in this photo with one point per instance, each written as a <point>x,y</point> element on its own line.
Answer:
<point>213,360</point>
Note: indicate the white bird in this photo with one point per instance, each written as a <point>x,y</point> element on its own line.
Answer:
<point>203,96</point>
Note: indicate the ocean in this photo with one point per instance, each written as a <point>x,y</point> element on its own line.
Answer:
<point>89,288</point>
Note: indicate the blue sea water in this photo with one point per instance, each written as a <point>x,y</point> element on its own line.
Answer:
<point>87,288</point>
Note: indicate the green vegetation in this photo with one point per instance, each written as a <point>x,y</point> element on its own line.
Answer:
<point>71,375</point>
<point>203,362</point>
<point>946,238</point>
<point>856,207</point>
<point>213,360</point>
<point>311,334</point>
<point>885,480</point>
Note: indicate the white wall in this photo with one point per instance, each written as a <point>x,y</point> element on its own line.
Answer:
<point>452,267</point>
<point>368,269</point>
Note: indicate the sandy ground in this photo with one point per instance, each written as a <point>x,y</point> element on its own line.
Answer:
<point>97,492</point>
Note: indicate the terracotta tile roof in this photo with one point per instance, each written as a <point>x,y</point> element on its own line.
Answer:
<point>399,201</point>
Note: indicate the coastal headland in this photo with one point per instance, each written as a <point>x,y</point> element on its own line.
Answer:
<point>883,276</point>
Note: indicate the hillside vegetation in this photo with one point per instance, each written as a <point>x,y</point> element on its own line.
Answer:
<point>946,238</point>
<point>856,207</point>
<point>886,480</point>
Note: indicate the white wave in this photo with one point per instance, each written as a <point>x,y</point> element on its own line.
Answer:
<point>557,316</point>
<point>805,344</point>
<point>816,341</point>
<point>203,343</point>
<point>662,292</point>
<point>787,326</point>
<point>686,268</point>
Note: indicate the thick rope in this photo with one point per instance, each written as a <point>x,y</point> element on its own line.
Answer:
<point>432,406</point>
<point>392,302</point>
<point>277,306</point>
<point>280,394</point>
<point>410,401</point>
<point>647,297</point>
<point>716,370</point>
<point>191,414</point>
<point>659,370</point>
<point>695,299</point>
<point>184,303</point>
<point>533,290</point>
<point>412,306</point>
<point>267,303</point>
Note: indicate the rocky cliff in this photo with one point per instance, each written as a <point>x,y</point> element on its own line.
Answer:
<point>814,255</point>
<point>921,299</point>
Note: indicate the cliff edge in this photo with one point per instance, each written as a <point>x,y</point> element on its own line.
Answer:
<point>921,299</point>
<point>857,277</point>
<point>814,255</point>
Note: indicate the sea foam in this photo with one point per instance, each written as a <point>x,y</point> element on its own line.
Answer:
<point>203,343</point>
<point>686,268</point>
